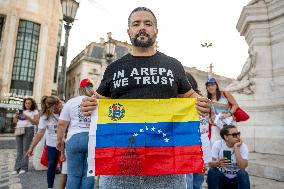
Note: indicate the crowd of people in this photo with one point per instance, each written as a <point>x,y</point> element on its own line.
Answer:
<point>66,126</point>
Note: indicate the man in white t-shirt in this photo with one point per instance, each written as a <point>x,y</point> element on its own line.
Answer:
<point>230,158</point>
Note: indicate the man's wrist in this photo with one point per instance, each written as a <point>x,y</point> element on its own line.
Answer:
<point>236,147</point>
<point>60,139</point>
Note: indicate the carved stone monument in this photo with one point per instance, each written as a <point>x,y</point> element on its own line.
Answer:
<point>244,83</point>
<point>259,89</point>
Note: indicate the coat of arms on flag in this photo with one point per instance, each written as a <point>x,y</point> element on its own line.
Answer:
<point>146,137</point>
<point>116,112</point>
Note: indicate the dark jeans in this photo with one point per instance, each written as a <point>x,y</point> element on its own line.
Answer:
<point>52,156</point>
<point>22,144</point>
<point>217,180</point>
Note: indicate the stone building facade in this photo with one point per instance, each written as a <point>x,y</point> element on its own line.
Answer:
<point>91,63</point>
<point>30,33</point>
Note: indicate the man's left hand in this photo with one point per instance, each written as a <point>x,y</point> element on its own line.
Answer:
<point>203,106</point>
<point>238,144</point>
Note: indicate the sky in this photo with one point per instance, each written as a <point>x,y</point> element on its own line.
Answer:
<point>183,26</point>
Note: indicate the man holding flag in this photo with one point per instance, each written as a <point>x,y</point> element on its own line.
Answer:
<point>144,74</point>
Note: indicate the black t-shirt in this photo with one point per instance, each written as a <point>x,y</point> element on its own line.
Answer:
<point>157,76</point>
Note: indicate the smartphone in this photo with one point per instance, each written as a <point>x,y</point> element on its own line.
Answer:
<point>227,154</point>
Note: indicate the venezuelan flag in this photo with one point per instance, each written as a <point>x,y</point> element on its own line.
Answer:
<point>147,137</point>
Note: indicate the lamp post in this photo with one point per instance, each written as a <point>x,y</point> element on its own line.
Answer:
<point>69,9</point>
<point>109,49</point>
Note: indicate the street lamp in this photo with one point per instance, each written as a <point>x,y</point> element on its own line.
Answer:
<point>69,9</point>
<point>109,49</point>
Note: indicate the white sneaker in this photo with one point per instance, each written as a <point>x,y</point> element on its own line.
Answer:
<point>14,172</point>
<point>22,172</point>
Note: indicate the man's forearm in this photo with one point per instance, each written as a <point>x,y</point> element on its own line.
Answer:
<point>242,163</point>
<point>61,131</point>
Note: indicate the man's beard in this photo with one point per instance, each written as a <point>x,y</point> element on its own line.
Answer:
<point>144,44</point>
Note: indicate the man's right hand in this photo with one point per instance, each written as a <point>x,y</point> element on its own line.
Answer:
<point>60,145</point>
<point>88,105</point>
<point>223,162</point>
<point>29,152</point>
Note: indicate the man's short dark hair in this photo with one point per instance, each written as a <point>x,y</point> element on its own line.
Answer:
<point>142,9</point>
<point>225,130</point>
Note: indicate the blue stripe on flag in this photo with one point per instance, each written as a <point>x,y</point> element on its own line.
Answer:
<point>159,134</point>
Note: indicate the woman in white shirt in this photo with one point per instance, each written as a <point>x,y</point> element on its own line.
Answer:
<point>51,107</point>
<point>26,119</point>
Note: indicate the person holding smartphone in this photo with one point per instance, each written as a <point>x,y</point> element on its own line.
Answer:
<point>25,119</point>
<point>229,161</point>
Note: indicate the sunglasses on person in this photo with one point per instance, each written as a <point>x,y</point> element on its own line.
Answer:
<point>235,135</point>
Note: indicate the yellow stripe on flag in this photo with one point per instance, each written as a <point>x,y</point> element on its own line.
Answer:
<point>147,110</point>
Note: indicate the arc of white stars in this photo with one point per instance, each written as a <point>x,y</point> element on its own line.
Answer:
<point>153,129</point>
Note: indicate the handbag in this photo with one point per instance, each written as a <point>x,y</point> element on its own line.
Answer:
<point>19,131</point>
<point>240,114</point>
<point>44,157</point>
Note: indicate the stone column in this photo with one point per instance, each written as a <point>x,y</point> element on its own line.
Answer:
<point>41,64</point>
<point>8,52</point>
<point>262,24</point>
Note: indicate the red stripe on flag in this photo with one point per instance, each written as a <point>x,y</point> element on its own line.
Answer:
<point>149,160</point>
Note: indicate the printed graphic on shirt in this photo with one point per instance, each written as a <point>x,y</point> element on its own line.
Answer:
<point>143,76</point>
<point>157,76</point>
<point>51,129</point>
<point>231,170</point>
<point>204,128</point>
<point>83,120</point>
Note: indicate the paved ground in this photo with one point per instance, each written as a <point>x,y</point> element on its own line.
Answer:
<point>30,180</point>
